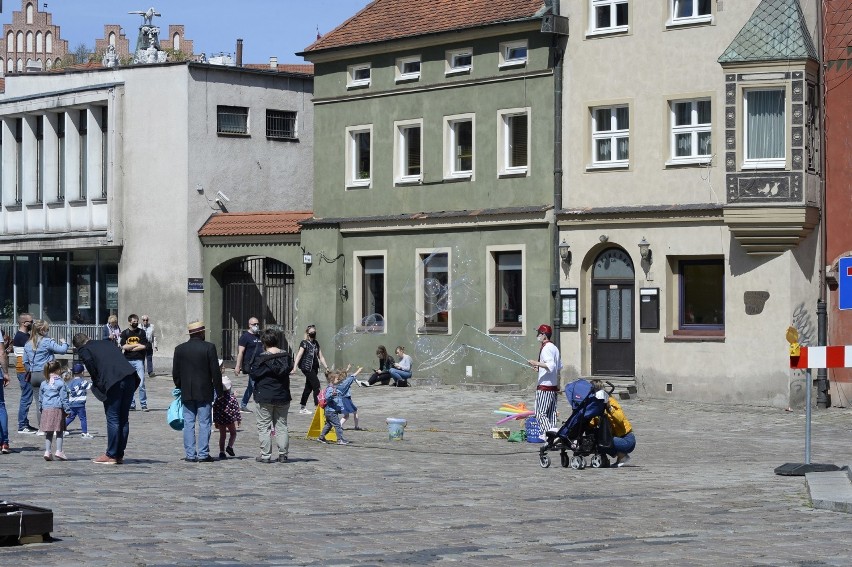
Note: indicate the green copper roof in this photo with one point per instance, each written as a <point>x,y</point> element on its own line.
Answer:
<point>776,31</point>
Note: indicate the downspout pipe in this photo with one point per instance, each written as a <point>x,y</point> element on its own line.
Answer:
<point>823,399</point>
<point>557,51</point>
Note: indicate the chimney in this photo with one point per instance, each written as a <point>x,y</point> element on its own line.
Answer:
<point>273,63</point>
<point>239,53</point>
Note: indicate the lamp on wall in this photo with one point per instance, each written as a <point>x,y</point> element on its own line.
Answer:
<point>565,252</point>
<point>645,250</point>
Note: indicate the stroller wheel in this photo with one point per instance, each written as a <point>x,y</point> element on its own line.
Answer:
<point>544,460</point>
<point>596,461</point>
<point>566,460</point>
<point>577,462</point>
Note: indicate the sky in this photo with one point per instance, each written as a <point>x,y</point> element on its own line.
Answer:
<point>269,28</point>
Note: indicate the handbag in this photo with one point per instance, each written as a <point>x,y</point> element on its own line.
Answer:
<point>35,378</point>
<point>603,433</point>
<point>174,416</point>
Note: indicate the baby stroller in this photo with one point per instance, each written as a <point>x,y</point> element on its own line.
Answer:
<point>576,434</point>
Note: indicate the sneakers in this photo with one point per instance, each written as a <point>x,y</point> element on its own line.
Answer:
<point>223,456</point>
<point>622,460</point>
<point>60,456</point>
<point>244,409</point>
<point>207,459</point>
<point>28,429</point>
<point>282,458</point>
<point>363,383</point>
<point>343,442</point>
<point>87,436</point>
<point>5,449</point>
<point>151,375</point>
<point>144,408</point>
<point>47,456</point>
<point>262,460</point>
<point>40,433</point>
<point>322,440</point>
<point>105,460</point>
<point>132,408</point>
<point>304,411</point>
<point>230,451</point>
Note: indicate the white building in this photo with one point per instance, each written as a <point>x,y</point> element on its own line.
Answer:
<point>108,174</point>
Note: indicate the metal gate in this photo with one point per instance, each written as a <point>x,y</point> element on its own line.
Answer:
<point>256,287</point>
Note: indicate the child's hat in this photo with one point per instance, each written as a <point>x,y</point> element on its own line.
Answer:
<point>226,382</point>
<point>77,368</point>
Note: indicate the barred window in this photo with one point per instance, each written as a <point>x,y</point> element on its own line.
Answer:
<point>281,124</point>
<point>231,120</point>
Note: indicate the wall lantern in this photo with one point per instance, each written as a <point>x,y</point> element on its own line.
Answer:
<point>645,250</point>
<point>565,252</point>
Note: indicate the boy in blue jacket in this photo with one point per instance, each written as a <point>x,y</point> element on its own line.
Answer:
<point>334,404</point>
<point>77,389</point>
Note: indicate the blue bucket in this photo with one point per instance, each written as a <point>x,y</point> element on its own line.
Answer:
<point>533,430</point>
<point>396,428</point>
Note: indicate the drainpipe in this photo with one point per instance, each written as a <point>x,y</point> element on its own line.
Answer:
<point>558,52</point>
<point>823,399</point>
<point>239,53</point>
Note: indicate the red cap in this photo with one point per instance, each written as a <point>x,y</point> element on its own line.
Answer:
<point>545,330</point>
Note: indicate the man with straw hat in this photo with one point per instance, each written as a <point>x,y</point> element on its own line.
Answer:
<point>195,370</point>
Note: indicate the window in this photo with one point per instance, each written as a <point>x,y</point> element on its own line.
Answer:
<point>459,61</point>
<point>281,124</point>
<point>359,156</point>
<point>608,16</point>
<point>459,143</point>
<point>513,138</point>
<point>690,124</point>
<point>60,158</point>
<point>690,11</point>
<point>409,151</point>
<point>702,294</point>
<point>104,151</point>
<point>765,127</point>
<point>84,152</point>
<point>611,136</point>
<point>408,69</point>
<point>509,289</point>
<point>513,54</point>
<point>358,75</point>
<point>231,120</point>
<point>435,291</point>
<point>371,304</point>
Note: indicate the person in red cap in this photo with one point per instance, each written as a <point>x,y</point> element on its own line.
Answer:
<point>549,364</point>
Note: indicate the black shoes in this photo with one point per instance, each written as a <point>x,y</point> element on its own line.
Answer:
<point>230,451</point>
<point>188,460</point>
<point>223,456</point>
<point>207,459</point>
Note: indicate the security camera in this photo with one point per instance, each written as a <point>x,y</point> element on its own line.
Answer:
<point>222,197</point>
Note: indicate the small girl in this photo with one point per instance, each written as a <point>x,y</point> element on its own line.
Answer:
<point>53,396</point>
<point>345,391</point>
<point>334,405</point>
<point>226,418</point>
<point>77,388</point>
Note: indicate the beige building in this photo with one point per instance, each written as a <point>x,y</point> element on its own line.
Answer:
<point>690,208</point>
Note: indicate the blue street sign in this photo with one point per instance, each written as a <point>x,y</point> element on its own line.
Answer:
<point>844,283</point>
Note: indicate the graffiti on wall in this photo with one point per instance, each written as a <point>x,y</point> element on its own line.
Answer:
<point>804,323</point>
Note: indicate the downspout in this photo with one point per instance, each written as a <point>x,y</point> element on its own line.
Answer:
<point>557,52</point>
<point>823,399</point>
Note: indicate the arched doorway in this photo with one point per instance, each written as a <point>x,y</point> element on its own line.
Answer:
<point>613,346</point>
<point>256,287</point>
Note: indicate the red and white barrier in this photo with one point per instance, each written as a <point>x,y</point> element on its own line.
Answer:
<point>823,357</point>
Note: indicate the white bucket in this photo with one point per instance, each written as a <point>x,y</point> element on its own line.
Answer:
<point>396,428</point>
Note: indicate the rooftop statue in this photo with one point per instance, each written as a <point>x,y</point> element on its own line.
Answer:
<point>147,16</point>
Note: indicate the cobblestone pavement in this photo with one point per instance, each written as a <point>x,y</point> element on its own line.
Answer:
<point>701,491</point>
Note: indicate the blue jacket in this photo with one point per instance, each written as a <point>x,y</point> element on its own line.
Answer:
<point>54,394</point>
<point>47,347</point>
<point>345,387</point>
<point>334,394</point>
<point>77,391</point>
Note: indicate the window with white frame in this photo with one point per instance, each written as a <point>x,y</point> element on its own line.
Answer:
<point>514,136</point>
<point>691,11</point>
<point>358,75</point>
<point>408,69</point>
<point>370,307</point>
<point>459,142</point>
<point>359,156</point>
<point>764,131</point>
<point>611,136</point>
<point>608,16</point>
<point>408,151</point>
<point>434,291</point>
<point>508,288</point>
<point>231,120</point>
<point>513,54</point>
<point>690,130</point>
<point>459,61</point>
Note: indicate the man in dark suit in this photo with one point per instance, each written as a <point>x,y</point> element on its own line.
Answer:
<point>195,370</point>
<point>113,382</point>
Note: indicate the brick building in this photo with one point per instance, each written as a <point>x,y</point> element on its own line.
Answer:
<point>31,40</point>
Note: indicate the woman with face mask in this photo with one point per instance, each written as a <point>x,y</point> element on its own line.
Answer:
<point>39,351</point>
<point>308,360</point>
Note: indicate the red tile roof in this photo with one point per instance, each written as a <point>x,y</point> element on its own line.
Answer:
<point>300,68</point>
<point>245,224</point>
<point>385,20</point>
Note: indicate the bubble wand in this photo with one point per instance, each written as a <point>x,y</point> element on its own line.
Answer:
<point>498,342</point>
<point>513,361</point>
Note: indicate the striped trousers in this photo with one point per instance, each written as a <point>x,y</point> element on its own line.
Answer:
<point>545,410</point>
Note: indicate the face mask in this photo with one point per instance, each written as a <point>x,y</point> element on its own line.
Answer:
<point>312,335</point>
<point>254,328</point>
<point>134,325</point>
